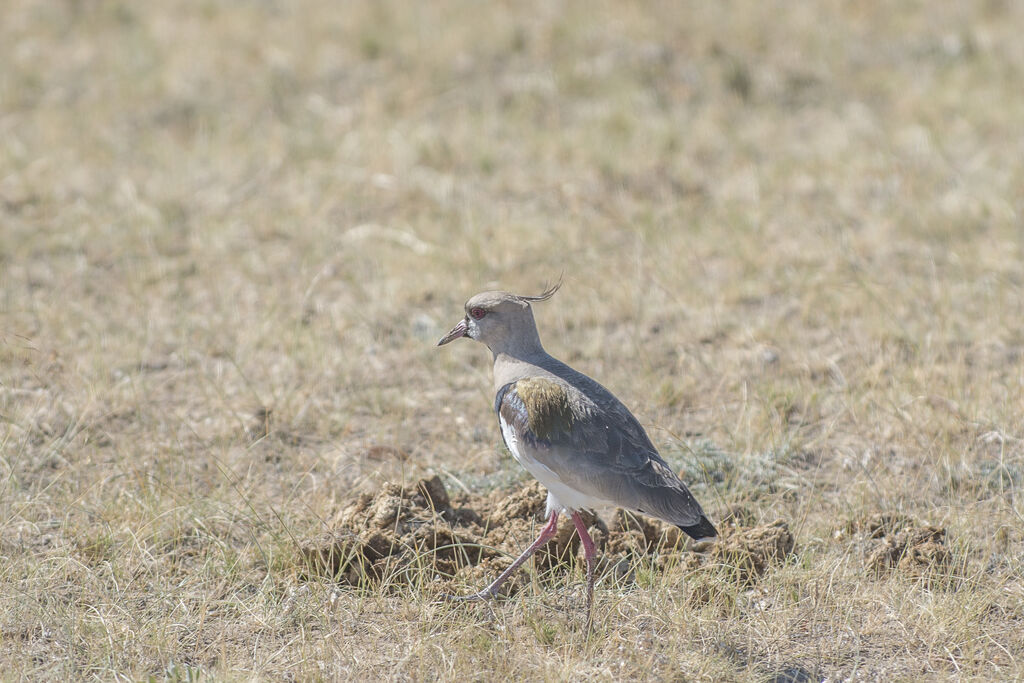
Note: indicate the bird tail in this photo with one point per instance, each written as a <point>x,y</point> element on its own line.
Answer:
<point>702,529</point>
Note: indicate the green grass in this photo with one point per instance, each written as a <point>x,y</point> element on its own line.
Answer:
<point>231,233</point>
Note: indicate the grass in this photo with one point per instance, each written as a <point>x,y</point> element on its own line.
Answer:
<point>230,234</point>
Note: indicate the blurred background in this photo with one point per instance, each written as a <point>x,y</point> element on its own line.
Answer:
<point>231,233</point>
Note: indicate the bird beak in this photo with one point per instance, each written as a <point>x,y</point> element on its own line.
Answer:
<point>457,331</point>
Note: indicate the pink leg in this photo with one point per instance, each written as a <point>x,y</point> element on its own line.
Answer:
<point>591,554</point>
<point>492,591</point>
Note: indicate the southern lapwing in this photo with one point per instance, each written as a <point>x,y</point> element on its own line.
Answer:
<point>570,433</point>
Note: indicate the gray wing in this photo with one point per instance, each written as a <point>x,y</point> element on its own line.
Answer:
<point>604,453</point>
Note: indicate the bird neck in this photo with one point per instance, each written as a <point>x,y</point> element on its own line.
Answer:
<point>514,364</point>
<point>520,341</point>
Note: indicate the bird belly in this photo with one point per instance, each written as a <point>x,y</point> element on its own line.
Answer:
<point>560,495</point>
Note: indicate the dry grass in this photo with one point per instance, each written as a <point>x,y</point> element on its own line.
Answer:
<point>230,233</point>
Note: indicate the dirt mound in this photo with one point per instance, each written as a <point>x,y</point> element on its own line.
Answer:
<point>914,550</point>
<point>746,552</point>
<point>895,542</point>
<point>393,530</point>
<point>401,533</point>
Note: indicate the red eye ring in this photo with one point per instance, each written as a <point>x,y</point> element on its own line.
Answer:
<point>477,313</point>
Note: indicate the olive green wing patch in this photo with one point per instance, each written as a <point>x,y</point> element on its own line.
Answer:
<point>544,407</point>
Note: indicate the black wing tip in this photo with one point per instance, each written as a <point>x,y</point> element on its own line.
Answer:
<point>702,529</point>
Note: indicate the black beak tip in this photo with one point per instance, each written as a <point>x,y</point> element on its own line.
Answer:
<point>457,331</point>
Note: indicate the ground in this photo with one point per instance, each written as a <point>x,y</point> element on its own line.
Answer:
<point>791,241</point>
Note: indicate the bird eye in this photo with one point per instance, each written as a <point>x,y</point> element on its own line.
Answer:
<point>477,313</point>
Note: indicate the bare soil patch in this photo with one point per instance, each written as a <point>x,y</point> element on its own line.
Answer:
<point>402,533</point>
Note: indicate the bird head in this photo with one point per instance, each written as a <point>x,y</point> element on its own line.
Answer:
<point>501,320</point>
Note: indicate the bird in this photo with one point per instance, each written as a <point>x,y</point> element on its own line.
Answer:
<point>570,433</point>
